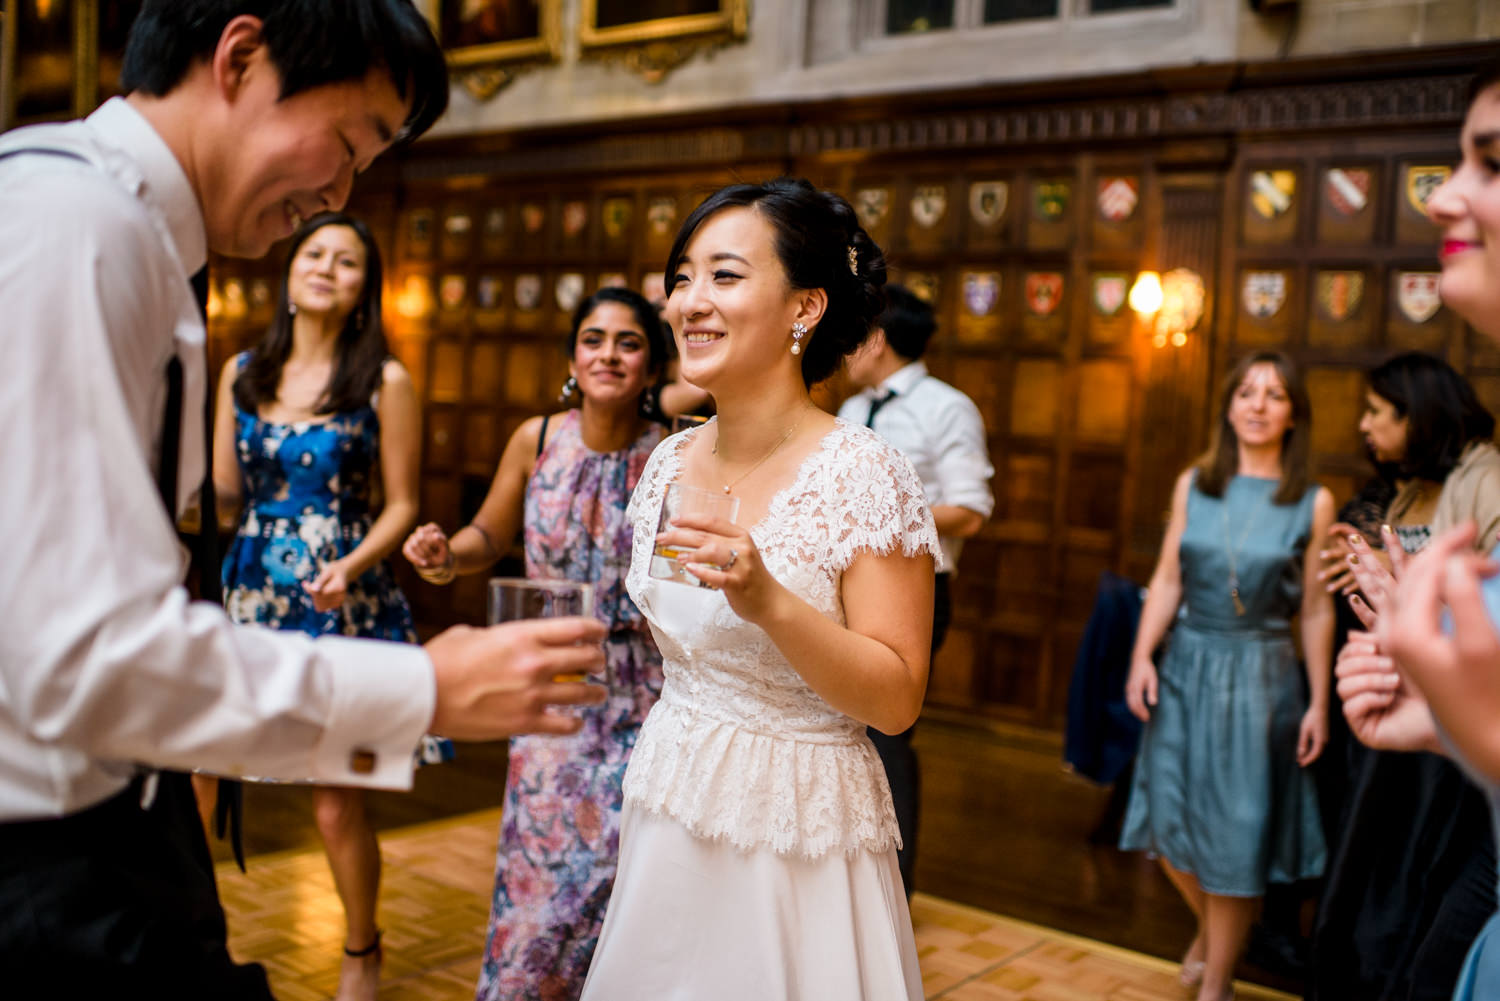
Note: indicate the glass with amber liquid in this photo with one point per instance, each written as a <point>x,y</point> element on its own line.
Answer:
<point>513,599</point>
<point>683,499</point>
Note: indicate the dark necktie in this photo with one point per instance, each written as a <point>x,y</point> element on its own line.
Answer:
<point>876,404</point>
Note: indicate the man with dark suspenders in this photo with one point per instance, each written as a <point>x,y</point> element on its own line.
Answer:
<point>242,118</point>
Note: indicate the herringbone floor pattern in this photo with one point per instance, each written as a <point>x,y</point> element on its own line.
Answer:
<point>435,898</point>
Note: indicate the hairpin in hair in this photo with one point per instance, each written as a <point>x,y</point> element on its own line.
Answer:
<point>853,261</point>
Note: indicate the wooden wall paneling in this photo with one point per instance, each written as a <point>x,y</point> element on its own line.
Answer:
<point>1081,409</point>
<point>1175,407</point>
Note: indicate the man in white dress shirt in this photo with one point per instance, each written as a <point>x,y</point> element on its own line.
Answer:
<point>940,430</point>
<point>244,117</point>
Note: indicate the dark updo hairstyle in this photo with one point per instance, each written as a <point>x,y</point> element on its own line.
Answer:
<point>359,355</point>
<point>1221,463</point>
<point>1443,416</point>
<point>814,233</point>
<point>645,315</point>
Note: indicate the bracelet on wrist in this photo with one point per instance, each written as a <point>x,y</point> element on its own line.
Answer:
<point>439,575</point>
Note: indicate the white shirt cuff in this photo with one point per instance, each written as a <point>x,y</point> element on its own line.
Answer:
<point>384,695</point>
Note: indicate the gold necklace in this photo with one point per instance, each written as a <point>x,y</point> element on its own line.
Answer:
<point>728,487</point>
<point>1230,548</point>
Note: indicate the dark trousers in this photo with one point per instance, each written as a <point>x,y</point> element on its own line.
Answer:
<point>900,758</point>
<point>116,901</point>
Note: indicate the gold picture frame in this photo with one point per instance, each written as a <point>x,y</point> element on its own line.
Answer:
<point>488,42</point>
<point>653,37</point>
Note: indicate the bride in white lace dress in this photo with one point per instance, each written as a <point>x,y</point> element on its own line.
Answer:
<point>758,843</point>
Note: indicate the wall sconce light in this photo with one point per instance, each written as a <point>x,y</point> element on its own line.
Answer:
<point>1172,303</point>
<point>1145,294</point>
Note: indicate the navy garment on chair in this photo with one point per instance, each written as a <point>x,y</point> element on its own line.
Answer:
<point>1101,733</point>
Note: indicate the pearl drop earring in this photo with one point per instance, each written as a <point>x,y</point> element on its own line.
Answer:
<point>799,331</point>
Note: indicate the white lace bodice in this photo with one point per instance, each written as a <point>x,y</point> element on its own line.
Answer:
<point>739,747</point>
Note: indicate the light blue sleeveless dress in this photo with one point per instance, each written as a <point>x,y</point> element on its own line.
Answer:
<point>1217,791</point>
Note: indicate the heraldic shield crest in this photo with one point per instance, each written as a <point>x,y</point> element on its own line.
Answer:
<point>1348,190</point>
<point>872,205</point>
<point>1264,293</point>
<point>1417,295</point>
<point>1340,293</point>
<point>528,291</point>
<point>1271,192</point>
<point>981,292</point>
<point>987,201</point>
<point>1043,292</point>
<point>1118,197</point>
<point>928,203</point>
<point>1109,293</point>
<point>1421,182</point>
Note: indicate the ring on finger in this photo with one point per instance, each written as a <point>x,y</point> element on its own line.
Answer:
<point>733,555</point>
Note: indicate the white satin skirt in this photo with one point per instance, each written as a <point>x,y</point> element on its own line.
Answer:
<point>691,920</point>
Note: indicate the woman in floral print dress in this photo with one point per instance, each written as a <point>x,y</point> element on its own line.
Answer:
<point>568,478</point>
<point>306,421</point>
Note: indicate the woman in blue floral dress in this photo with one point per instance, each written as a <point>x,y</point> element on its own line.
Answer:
<point>306,421</point>
<point>567,478</point>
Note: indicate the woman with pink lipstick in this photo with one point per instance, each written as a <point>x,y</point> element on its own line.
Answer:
<point>1221,793</point>
<point>1428,676</point>
<point>565,480</point>
<point>758,845</point>
<point>305,422</point>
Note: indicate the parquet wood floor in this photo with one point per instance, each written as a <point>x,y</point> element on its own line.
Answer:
<point>435,898</point>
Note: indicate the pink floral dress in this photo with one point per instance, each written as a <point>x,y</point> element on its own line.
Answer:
<point>560,833</point>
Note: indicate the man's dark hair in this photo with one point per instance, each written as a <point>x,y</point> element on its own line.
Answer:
<point>311,43</point>
<point>908,322</point>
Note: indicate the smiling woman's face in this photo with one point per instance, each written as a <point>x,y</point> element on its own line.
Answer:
<point>730,305</point>
<point>1467,207</point>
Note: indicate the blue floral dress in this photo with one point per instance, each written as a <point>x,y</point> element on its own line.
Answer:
<point>560,832</point>
<point>307,490</point>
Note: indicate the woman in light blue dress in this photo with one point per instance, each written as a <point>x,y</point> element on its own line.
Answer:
<point>1428,676</point>
<point>1221,793</point>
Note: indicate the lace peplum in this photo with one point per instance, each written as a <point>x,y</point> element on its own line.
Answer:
<point>740,748</point>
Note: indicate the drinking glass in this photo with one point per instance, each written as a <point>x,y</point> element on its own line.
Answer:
<point>683,499</point>
<point>514,599</point>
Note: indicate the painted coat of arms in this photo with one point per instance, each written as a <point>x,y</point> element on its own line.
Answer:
<point>1118,197</point>
<point>1348,189</point>
<point>528,291</point>
<point>981,292</point>
<point>1421,182</point>
<point>1340,293</point>
<point>1417,295</point>
<point>1043,292</point>
<point>1264,293</point>
<point>872,205</point>
<point>1271,192</point>
<point>928,205</point>
<point>987,201</point>
<point>1109,293</point>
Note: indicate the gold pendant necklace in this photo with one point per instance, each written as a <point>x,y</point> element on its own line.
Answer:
<point>728,487</point>
<point>1229,550</point>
